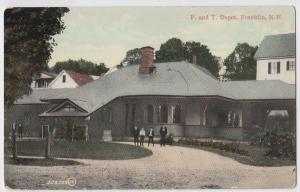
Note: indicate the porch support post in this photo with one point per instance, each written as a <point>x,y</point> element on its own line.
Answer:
<point>240,115</point>
<point>247,117</point>
<point>72,133</point>
<point>86,133</point>
<point>129,120</point>
<point>155,113</point>
<point>183,118</point>
<point>247,120</point>
<point>170,113</point>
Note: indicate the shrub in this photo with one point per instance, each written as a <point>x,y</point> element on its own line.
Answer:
<point>278,137</point>
<point>230,147</point>
<point>278,124</point>
<point>281,145</point>
<point>65,130</point>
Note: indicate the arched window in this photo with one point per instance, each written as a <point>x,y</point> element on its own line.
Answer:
<point>163,113</point>
<point>233,119</point>
<point>150,111</point>
<point>176,111</point>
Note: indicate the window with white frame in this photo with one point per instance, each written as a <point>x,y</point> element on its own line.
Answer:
<point>290,66</point>
<point>273,67</point>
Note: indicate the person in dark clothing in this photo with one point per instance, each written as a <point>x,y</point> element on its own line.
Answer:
<point>20,131</point>
<point>163,133</point>
<point>151,136</point>
<point>136,132</point>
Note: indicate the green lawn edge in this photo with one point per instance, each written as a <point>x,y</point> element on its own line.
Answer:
<point>93,150</point>
<point>255,156</point>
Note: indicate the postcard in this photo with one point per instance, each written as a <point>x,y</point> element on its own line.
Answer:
<point>148,97</point>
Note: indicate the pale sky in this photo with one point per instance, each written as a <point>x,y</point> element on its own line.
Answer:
<point>105,34</point>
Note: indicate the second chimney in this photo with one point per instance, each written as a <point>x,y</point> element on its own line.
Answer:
<point>147,66</point>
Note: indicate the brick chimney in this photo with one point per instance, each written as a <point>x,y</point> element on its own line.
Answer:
<point>147,66</point>
<point>194,59</point>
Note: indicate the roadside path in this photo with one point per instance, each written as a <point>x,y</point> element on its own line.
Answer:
<point>169,167</point>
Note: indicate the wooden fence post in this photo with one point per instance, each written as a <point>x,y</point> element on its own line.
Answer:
<point>14,142</point>
<point>48,145</point>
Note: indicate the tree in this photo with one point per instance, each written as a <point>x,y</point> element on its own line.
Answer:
<point>203,55</point>
<point>28,44</point>
<point>176,50</point>
<point>80,66</point>
<point>241,64</point>
<point>172,50</point>
<point>133,56</point>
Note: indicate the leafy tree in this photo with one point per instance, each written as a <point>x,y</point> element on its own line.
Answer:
<point>172,50</point>
<point>176,50</point>
<point>204,56</point>
<point>133,56</point>
<point>80,66</point>
<point>28,44</point>
<point>241,64</point>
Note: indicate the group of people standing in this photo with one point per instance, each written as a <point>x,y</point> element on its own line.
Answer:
<point>140,134</point>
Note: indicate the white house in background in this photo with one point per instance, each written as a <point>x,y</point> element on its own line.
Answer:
<point>43,80</point>
<point>276,58</point>
<point>70,79</point>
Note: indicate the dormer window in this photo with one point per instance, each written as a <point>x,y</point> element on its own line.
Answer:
<point>67,107</point>
<point>64,78</point>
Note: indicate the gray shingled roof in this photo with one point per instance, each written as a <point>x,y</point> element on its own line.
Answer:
<point>64,113</point>
<point>259,89</point>
<point>37,94</point>
<point>171,79</point>
<point>174,78</point>
<point>50,74</point>
<point>277,46</point>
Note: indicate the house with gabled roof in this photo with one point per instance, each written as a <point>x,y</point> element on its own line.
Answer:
<point>43,80</point>
<point>182,96</point>
<point>70,79</point>
<point>276,58</point>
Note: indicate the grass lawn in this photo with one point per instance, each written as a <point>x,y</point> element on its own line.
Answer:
<point>82,150</point>
<point>40,162</point>
<point>255,156</point>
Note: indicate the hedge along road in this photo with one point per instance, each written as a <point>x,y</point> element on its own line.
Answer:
<point>168,167</point>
